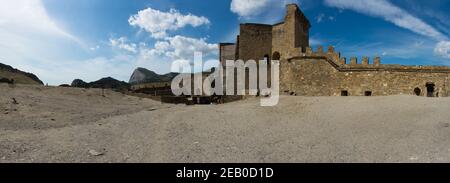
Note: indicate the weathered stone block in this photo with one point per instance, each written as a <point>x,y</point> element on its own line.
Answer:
<point>320,50</point>
<point>330,49</point>
<point>343,61</point>
<point>353,61</point>
<point>377,61</point>
<point>365,61</point>
<point>309,50</point>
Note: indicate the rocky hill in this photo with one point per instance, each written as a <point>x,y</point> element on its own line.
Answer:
<point>10,74</point>
<point>107,82</point>
<point>79,84</point>
<point>142,75</point>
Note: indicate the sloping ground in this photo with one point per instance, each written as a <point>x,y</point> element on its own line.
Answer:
<point>299,129</point>
<point>19,77</point>
<point>40,107</point>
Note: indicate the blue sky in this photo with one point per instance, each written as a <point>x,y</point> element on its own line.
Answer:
<point>90,39</point>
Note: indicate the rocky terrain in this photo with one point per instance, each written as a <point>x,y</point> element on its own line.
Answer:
<point>142,75</point>
<point>9,74</point>
<point>54,124</point>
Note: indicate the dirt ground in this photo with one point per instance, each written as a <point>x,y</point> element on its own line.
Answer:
<point>51,124</point>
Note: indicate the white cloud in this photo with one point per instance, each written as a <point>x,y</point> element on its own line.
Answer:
<point>270,10</point>
<point>247,8</point>
<point>157,57</point>
<point>443,49</point>
<point>123,44</point>
<point>184,47</point>
<point>175,49</point>
<point>158,22</point>
<point>161,47</point>
<point>31,16</point>
<point>397,16</point>
<point>32,41</point>
<point>391,13</point>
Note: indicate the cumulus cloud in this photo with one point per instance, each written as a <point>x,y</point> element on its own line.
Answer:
<point>181,47</point>
<point>443,49</point>
<point>184,47</point>
<point>163,53</point>
<point>167,49</point>
<point>391,13</point>
<point>246,8</point>
<point>158,22</point>
<point>123,44</point>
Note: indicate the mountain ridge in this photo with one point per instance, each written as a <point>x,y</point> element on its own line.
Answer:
<point>14,75</point>
<point>106,82</point>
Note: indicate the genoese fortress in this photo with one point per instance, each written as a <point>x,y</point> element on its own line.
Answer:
<point>308,72</point>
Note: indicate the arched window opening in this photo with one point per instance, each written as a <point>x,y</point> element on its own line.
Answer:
<point>276,56</point>
<point>417,91</point>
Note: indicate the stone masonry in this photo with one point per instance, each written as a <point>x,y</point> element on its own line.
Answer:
<point>320,72</point>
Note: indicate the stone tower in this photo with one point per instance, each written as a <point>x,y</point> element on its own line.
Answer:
<point>297,27</point>
<point>257,41</point>
<point>292,33</point>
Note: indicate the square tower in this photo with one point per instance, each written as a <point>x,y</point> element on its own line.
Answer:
<point>297,27</point>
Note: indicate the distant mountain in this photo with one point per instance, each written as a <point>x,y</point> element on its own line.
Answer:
<point>107,82</point>
<point>9,73</point>
<point>79,84</point>
<point>142,75</point>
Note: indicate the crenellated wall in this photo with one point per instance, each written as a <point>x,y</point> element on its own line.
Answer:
<point>323,72</point>
<point>326,74</point>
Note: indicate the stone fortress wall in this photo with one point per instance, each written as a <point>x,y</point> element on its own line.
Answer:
<point>324,73</point>
<point>327,74</point>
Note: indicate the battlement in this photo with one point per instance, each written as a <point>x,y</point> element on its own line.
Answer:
<point>255,26</point>
<point>322,71</point>
<point>320,52</point>
<point>365,61</point>
<point>331,54</point>
<point>362,64</point>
